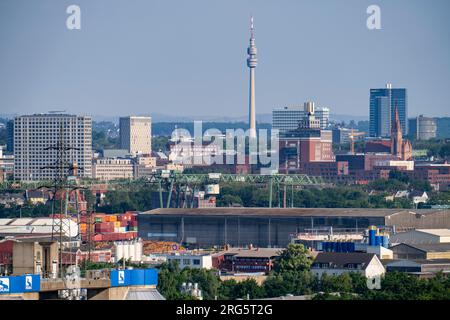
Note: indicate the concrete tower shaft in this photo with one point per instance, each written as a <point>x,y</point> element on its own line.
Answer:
<point>252,62</point>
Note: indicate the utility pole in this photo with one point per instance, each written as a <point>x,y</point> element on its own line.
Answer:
<point>61,168</point>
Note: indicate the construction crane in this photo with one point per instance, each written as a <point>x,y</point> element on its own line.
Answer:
<point>352,137</point>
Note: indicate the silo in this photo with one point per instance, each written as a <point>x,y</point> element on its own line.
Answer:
<point>372,235</point>
<point>126,250</point>
<point>119,250</point>
<point>378,240</point>
<point>138,253</point>
<point>346,246</point>
<point>351,247</point>
<point>386,241</point>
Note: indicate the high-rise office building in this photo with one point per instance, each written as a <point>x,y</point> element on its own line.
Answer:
<point>288,118</point>
<point>252,62</point>
<point>136,134</point>
<point>306,144</point>
<point>34,137</point>
<point>382,107</point>
<point>422,128</point>
<point>10,136</point>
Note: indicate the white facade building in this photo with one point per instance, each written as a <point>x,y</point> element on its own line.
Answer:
<point>288,118</point>
<point>112,169</point>
<point>198,261</point>
<point>36,226</point>
<point>34,133</point>
<point>336,263</point>
<point>136,134</point>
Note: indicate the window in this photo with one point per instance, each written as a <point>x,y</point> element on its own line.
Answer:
<point>196,262</point>
<point>186,262</point>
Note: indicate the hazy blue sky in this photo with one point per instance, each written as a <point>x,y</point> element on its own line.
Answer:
<point>189,57</point>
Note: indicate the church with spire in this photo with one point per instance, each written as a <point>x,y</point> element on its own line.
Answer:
<point>400,148</point>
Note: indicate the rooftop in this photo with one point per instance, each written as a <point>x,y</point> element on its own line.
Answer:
<point>253,253</point>
<point>428,247</point>
<point>286,212</point>
<point>405,262</point>
<point>340,259</point>
<point>436,232</point>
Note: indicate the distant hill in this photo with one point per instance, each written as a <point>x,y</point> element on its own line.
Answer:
<point>160,117</point>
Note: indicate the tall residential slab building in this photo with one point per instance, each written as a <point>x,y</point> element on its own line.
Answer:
<point>382,108</point>
<point>136,134</point>
<point>35,137</point>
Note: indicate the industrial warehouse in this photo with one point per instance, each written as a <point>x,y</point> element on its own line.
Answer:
<point>274,227</point>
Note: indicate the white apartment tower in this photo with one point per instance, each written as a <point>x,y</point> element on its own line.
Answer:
<point>136,134</point>
<point>34,134</point>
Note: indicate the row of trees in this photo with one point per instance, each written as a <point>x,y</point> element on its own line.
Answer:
<point>292,275</point>
<point>342,197</point>
<point>435,147</point>
<point>27,210</point>
<point>249,195</point>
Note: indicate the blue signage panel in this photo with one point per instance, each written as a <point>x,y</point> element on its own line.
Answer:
<point>151,277</point>
<point>32,283</point>
<point>120,278</point>
<point>5,285</point>
<point>20,284</point>
<point>137,277</point>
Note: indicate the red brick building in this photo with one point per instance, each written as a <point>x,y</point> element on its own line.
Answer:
<point>308,143</point>
<point>246,260</point>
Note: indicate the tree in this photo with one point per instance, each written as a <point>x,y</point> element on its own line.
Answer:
<point>294,258</point>
<point>249,288</point>
<point>340,283</point>
<point>207,281</point>
<point>228,200</point>
<point>398,175</point>
<point>421,185</point>
<point>444,151</point>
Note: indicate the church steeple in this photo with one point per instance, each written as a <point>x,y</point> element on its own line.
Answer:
<point>396,136</point>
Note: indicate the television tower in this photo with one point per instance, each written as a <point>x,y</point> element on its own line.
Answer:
<point>252,62</point>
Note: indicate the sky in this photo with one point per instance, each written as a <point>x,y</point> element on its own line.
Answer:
<point>188,58</point>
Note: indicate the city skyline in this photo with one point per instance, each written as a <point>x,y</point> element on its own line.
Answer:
<point>128,61</point>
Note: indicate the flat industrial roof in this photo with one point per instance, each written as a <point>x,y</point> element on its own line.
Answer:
<point>427,247</point>
<point>436,232</point>
<point>286,212</point>
<point>252,253</point>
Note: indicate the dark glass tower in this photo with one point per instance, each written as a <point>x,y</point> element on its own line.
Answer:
<point>382,107</point>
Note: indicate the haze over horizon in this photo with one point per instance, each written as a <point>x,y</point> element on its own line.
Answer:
<point>181,58</point>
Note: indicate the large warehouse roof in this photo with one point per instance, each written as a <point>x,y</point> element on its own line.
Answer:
<point>288,212</point>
